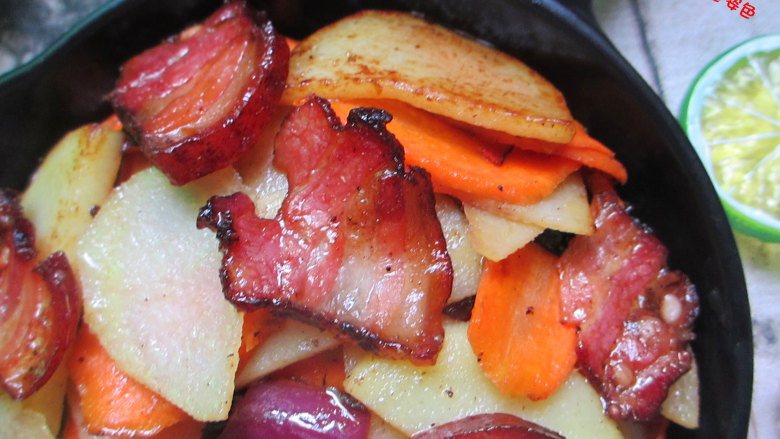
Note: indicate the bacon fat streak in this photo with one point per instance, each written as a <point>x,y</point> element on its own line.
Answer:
<point>635,316</point>
<point>356,246</point>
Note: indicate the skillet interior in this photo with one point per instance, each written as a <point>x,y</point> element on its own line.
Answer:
<point>667,185</point>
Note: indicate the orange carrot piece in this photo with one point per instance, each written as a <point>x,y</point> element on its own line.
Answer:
<point>324,369</point>
<point>113,122</point>
<point>75,428</point>
<point>188,428</point>
<point>582,148</point>
<point>457,166</point>
<point>73,431</point>
<point>111,401</point>
<point>515,328</point>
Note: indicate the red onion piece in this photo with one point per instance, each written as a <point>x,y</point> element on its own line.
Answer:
<point>490,425</point>
<point>39,304</point>
<point>288,409</point>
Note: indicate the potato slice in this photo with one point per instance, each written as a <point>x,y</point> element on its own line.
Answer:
<point>294,342</point>
<point>152,292</point>
<point>17,421</point>
<point>415,398</point>
<point>77,175</point>
<point>466,262</point>
<point>497,230</point>
<point>393,55</point>
<point>496,237</point>
<point>49,400</point>
<point>379,429</point>
<point>566,209</point>
<point>267,185</point>
<point>682,404</point>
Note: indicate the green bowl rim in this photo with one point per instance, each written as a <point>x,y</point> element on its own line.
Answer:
<point>61,41</point>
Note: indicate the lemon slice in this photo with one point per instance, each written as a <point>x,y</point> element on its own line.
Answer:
<point>732,117</point>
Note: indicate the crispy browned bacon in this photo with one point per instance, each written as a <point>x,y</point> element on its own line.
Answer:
<point>39,305</point>
<point>635,316</point>
<point>197,102</point>
<point>356,245</point>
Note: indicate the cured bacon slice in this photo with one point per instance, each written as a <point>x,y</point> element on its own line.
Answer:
<point>39,305</point>
<point>198,101</point>
<point>356,246</point>
<point>635,316</point>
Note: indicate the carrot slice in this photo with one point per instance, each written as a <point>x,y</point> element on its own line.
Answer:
<point>456,164</point>
<point>582,148</point>
<point>515,327</point>
<point>188,428</point>
<point>75,428</point>
<point>113,122</point>
<point>111,401</point>
<point>324,369</point>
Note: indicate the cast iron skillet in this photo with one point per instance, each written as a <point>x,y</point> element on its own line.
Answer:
<point>667,184</point>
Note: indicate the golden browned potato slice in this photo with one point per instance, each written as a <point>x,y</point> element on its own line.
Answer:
<point>74,178</point>
<point>393,55</point>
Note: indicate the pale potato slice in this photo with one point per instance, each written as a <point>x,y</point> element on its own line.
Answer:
<point>17,421</point>
<point>496,237</point>
<point>152,292</point>
<point>394,55</point>
<point>267,186</point>
<point>466,262</point>
<point>49,400</point>
<point>566,209</point>
<point>415,398</point>
<point>682,403</point>
<point>268,191</point>
<point>77,175</point>
<point>379,429</point>
<point>294,342</point>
